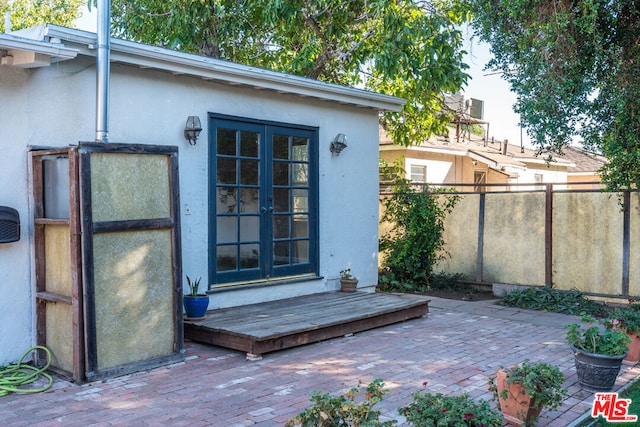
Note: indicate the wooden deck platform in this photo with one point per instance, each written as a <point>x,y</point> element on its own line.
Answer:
<point>261,328</point>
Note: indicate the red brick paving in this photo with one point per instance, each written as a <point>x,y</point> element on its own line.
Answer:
<point>455,349</point>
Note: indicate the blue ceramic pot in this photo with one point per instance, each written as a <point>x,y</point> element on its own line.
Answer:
<point>195,307</point>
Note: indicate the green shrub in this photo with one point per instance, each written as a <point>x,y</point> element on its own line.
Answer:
<point>414,243</point>
<point>343,410</point>
<point>430,410</point>
<point>548,299</point>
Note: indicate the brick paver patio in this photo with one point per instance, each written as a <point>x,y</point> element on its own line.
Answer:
<point>455,349</point>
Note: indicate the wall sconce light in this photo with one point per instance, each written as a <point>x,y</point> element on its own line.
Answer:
<point>338,144</point>
<point>192,129</point>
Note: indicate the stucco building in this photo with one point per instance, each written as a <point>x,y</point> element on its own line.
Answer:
<point>260,204</point>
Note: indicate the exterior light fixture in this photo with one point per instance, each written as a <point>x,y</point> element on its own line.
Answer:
<point>338,144</point>
<point>192,129</point>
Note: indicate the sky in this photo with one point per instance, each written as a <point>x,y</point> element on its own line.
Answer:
<point>492,89</point>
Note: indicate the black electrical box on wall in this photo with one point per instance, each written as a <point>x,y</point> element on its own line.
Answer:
<point>9,225</point>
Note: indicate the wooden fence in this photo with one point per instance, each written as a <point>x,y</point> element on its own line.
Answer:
<point>567,237</point>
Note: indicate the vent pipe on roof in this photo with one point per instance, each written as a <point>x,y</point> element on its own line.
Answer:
<point>7,22</point>
<point>505,147</point>
<point>102,70</point>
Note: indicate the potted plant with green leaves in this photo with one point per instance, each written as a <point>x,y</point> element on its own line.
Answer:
<point>195,304</point>
<point>522,391</point>
<point>348,283</point>
<point>598,353</point>
<point>627,319</point>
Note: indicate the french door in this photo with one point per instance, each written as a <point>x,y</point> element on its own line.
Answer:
<point>263,200</point>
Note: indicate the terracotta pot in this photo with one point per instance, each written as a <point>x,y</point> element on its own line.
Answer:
<point>518,408</point>
<point>633,355</point>
<point>348,285</point>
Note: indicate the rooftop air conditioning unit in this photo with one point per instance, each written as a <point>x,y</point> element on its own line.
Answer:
<point>476,109</point>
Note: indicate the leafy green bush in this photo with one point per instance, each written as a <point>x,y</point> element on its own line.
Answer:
<point>343,410</point>
<point>548,299</point>
<point>414,243</point>
<point>430,410</point>
<point>595,339</point>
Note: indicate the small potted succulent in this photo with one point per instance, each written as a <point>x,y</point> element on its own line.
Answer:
<point>627,319</point>
<point>195,304</point>
<point>522,391</point>
<point>348,283</point>
<point>598,353</point>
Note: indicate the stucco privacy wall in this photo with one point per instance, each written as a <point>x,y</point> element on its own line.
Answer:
<point>587,244</point>
<point>593,221</point>
<point>54,106</point>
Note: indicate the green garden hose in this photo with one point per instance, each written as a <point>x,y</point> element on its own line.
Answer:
<point>14,378</point>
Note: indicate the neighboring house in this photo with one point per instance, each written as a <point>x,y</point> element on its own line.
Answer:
<point>278,217</point>
<point>466,158</point>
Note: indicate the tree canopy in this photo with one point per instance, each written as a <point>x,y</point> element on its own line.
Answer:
<point>30,13</point>
<point>574,67</point>
<point>407,48</point>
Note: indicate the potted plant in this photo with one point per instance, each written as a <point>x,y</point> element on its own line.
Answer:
<point>522,391</point>
<point>598,353</point>
<point>627,319</point>
<point>348,283</point>
<point>195,304</point>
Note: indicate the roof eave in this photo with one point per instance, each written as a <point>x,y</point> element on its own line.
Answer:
<point>45,53</point>
<point>214,69</point>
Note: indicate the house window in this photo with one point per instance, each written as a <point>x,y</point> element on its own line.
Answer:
<point>263,200</point>
<point>537,178</point>
<point>479,177</point>
<point>418,173</point>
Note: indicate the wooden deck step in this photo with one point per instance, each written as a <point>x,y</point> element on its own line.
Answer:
<point>276,325</point>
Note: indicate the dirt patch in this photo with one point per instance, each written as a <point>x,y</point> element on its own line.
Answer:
<point>461,295</point>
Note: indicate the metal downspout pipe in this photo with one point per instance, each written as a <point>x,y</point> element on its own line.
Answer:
<point>102,70</point>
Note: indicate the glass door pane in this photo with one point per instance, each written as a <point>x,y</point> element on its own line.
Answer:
<point>290,166</point>
<point>237,200</point>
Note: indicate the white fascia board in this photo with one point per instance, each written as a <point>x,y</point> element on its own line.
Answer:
<point>439,149</point>
<point>583,173</point>
<point>55,51</point>
<point>214,69</point>
<point>555,162</point>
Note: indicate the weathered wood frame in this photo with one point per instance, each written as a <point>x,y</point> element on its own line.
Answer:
<point>81,231</point>
<point>42,297</point>
<point>91,227</point>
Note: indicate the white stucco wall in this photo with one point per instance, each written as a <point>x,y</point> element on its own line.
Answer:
<point>54,106</point>
<point>16,308</point>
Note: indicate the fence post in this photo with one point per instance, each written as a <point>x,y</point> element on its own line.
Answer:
<point>479,263</point>
<point>626,241</point>
<point>548,236</point>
